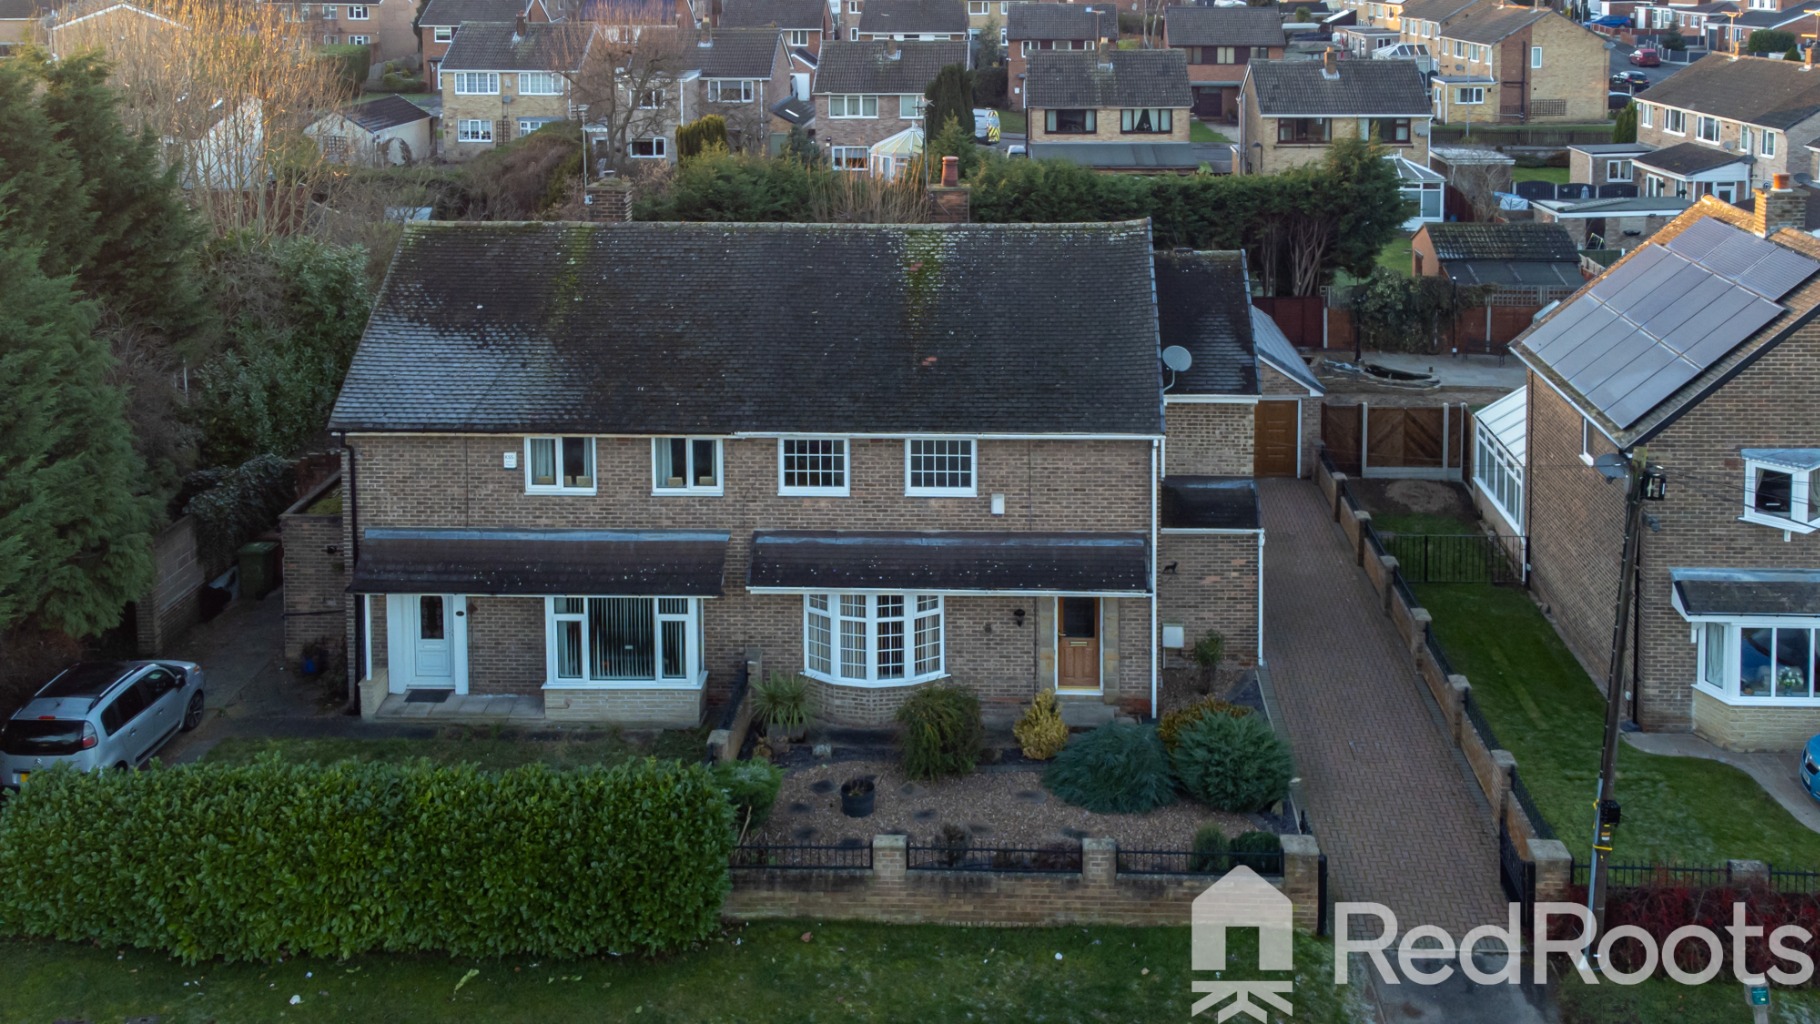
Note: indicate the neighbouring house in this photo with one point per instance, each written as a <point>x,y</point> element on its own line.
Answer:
<point>1291,111</point>
<point>442,19</point>
<point>655,90</point>
<point>1615,223</point>
<point>982,15</point>
<point>615,523</point>
<point>18,24</point>
<point>1506,257</point>
<point>1604,163</point>
<point>1696,349</point>
<point>1125,110</point>
<point>383,25</point>
<point>502,82</point>
<point>1220,42</point>
<point>1730,34</point>
<point>1423,20</point>
<point>389,131</point>
<point>923,20</point>
<point>1053,26</point>
<point>1384,14</point>
<point>804,23</point>
<point>95,24</point>
<point>1720,126</point>
<point>743,74</point>
<point>1518,64</point>
<point>869,101</point>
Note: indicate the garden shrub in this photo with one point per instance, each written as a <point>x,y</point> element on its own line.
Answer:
<point>1210,848</point>
<point>942,732</point>
<point>782,700</point>
<point>1041,733</point>
<point>751,787</point>
<point>265,860</point>
<point>1260,851</point>
<point>1170,726</point>
<point>1119,768</point>
<point>1209,649</point>
<point>1232,764</point>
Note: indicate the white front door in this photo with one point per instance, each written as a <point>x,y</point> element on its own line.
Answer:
<point>427,639</point>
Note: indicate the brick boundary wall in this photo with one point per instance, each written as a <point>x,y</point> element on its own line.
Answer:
<point>173,604</point>
<point>316,573</point>
<point>889,892</point>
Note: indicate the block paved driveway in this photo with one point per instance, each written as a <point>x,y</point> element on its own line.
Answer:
<point>1386,794</point>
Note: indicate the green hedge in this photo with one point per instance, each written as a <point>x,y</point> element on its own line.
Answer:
<point>253,862</point>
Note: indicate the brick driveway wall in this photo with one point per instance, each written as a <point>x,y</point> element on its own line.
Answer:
<point>1386,794</point>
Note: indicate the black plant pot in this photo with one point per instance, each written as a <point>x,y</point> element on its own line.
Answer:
<point>858,797</point>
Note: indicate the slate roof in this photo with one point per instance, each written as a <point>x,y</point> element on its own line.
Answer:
<point>781,13</point>
<point>1124,156</point>
<point>890,17</point>
<point>1492,24</point>
<point>736,53</point>
<point>1768,19</point>
<point>1541,243</point>
<point>1773,93</point>
<point>1209,503</point>
<point>497,47</point>
<point>18,10</point>
<point>1609,148</point>
<point>951,561</point>
<point>1275,348</point>
<point>1364,88</point>
<point>1689,158</point>
<point>385,112</point>
<point>1747,591</point>
<point>674,328</point>
<point>868,65</point>
<point>677,563</point>
<point>1061,21</point>
<point>1130,78</point>
<point>450,13</point>
<point>1436,10</point>
<point>1223,26</point>
<point>1203,303</point>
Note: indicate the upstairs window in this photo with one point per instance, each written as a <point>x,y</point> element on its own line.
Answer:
<point>797,37</point>
<point>358,12</point>
<point>852,106</point>
<point>559,465</point>
<point>1147,121</point>
<point>1392,131</point>
<point>1779,488</point>
<point>1706,129</point>
<point>1304,131</point>
<point>939,467</point>
<point>651,99</point>
<point>1769,144</point>
<point>1675,122</point>
<point>539,83</point>
<point>1070,122</point>
<point>654,148</point>
<point>729,90</point>
<point>685,465</point>
<point>476,83</point>
<point>443,35</point>
<point>909,107</point>
<point>810,466</point>
<point>1646,115</point>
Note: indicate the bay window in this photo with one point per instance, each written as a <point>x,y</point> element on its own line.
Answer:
<point>1766,660</point>
<point>685,465</point>
<point>873,639</point>
<point>559,465</point>
<point>651,641</point>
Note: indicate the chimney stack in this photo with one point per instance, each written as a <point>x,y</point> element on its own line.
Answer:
<point>950,202</point>
<point>518,28</point>
<point>1328,68</point>
<point>951,172</point>
<point>1779,206</point>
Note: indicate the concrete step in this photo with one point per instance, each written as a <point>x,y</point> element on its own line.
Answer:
<point>1085,712</point>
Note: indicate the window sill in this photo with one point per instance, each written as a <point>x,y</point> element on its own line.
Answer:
<point>1774,523</point>
<point>874,684</point>
<point>940,493</point>
<point>1738,701</point>
<point>560,491</point>
<point>688,492</point>
<point>627,684</point>
<point>815,492</point>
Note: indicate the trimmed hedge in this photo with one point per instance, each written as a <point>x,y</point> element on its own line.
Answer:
<point>254,862</point>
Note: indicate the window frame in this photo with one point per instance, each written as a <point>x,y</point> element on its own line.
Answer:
<point>841,490</point>
<point>1402,130</point>
<point>1730,634</point>
<point>658,145</point>
<point>1498,475</point>
<point>442,34</point>
<point>651,99</point>
<point>695,673</point>
<point>915,103</point>
<point>913,617</point>
<point>1671,117</point>
<point>466,77</point>
<point>1535,56</point>
<point>1326,124</point>
<point>463,133</point>
<point>1768,145</point>
<point>849,101</point>
<point>863,153</point>
<point>796,37</point>
<point>593,453</point>
<point>911,490</point>
<point>1162,120</point>
<point>718,487</point>
<point>1612,166</point>
<point>1702,122</point>
<point>360,40</point>
<point>1052,120</point>
<point>1460,100</point>
<point>1586,432</point>
<point>364,15</point>
<point>1646,114</point>
<point>540,77</point>
<point>984,8</point>
<point>717,90</point>
<point>1803,503</point>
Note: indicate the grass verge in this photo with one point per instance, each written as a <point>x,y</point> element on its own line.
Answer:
<point>1011,121</point>
<point>1558,175</point>
<point>1396,256</point>
<point>1199,132</point>
<point>488,748</point>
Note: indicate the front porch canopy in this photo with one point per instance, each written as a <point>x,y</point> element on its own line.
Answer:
<point>629,563</point>
<point>1105,564</point>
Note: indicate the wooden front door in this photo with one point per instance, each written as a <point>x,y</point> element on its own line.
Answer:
<point>1077,643</point>
<point>1276,440</point>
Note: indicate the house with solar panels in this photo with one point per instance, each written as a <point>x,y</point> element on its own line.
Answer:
<point>1699,348</point>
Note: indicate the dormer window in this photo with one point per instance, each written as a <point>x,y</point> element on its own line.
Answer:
<point>1779,488</point>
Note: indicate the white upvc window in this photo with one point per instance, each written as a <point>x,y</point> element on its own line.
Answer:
<point>849,158</point>
<point>939,467</point>
<point>476,83</point>
<point>1746,138</point>
<point>1535,56</point>
<point>1586,436</point>
<point>853,34</point>
<point>1781,493</point>
<point>979,8</point>
<point>1674,121</point>
<point>654,148</point>
<point>852,106</point>
<point>559,465</point>
<point>1617,170</point>
<point>853,6</point>
<point>812,466</point>
<point>474,130</point>
<point>623,641</point>
<point>527,125</point>
<point>1646,115</point>
<point>1706,129</point>
<point>539,83</point>
<point>1498,474</point>
<point>1757,661</point>
<point>358,12</point>
<point>359,40</point>
<point>797,37</point>
<point>873,639</point>
<point>909,107</point>
<point>1459,48</point>
<point>1769,143</point>
<point>651,99</point>
<point>686,465</point>
<point>328,12</point>
<point>1469,96</point>
<point>729,90</point>
<point>445,34</point>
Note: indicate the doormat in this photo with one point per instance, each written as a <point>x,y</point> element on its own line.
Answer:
<point>417,696</point>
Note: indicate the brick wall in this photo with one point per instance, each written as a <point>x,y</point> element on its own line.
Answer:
<point>315,578</point>
<point>1274,158</point>
<point>505,644</point>
<point>1208,438</point>
<point>651,709</point>
<point>1214,587</point>
<point>859,131</point>
<point>1098,894</point>
<point>504,115</point>
<point>172,605</point>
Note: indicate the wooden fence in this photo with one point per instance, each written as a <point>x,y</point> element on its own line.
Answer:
<point>1429,442</point>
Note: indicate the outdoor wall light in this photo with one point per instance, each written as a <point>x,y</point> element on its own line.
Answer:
<point>1017,616</point>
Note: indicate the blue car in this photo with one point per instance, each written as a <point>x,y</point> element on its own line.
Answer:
<point>1810,768</point>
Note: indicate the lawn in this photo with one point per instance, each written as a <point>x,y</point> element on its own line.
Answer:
<point>1011,121</point>
<point>760,972</point>
<point>1396,255</point>
<point>1548,714</point>
<point>488,748</point>
<point>1558,175</point>
<point>1720,1002</point>
<point>1199,132</point>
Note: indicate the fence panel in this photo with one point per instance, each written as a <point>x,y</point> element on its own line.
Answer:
<point>1454,558</point>
<point>1190,862</point>
<point>799,857</point>
<point>1059,858</point>
<point>1340,433</point>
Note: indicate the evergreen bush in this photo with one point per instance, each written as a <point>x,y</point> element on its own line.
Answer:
<point>1041,733</point>
<point>1119,768</point>
<point>1210,848</point>
<point>751,787</point>
<point>1232,764</point>
<point>942,732</point>
<point>1260,851</point>
<point>1170,726</point>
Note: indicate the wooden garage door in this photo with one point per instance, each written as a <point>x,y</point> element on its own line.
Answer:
<point>1275,433</point>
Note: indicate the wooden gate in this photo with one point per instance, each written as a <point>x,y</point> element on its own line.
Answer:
<point>1340,434</point>
<point>1276,433</point>
<point>1396,440</point>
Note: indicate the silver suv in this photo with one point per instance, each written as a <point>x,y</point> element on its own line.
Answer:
<point>101,714</point>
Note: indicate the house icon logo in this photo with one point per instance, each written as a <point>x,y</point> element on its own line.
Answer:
<point>1243,899</point>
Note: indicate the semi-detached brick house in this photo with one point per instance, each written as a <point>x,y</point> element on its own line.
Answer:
<point>1725,126</point>
<point>1051,26</point>
<point>442,19</point>
<point>1219,42</point>
<point>744,74</point>
<point>803,23</point>
<point>925,20</point>
<point>1291,111</point>
<point>1700,349</point>
<point>502,82</point>
<point>573,474</point>
<point>1517,64</point>
<point>1114,110</point>
<point>869,100</point>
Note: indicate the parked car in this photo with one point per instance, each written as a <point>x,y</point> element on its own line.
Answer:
<point>1810,768</point>
<point>1646,58</point>
<point>1635,81</point>
<point>101,714</point>
<point>985,126</point>
<point>1618,100</point>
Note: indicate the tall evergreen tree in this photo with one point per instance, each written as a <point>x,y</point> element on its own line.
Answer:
<point>950,97</point>
<point>48,198</point>
<point>1624,128</point>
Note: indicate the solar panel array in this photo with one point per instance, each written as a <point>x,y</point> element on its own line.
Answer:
<point>1667,314</point>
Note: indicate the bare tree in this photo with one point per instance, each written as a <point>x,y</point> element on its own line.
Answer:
<point>625,68</point>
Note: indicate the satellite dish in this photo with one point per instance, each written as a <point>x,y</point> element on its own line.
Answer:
<point>1178,358</point>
